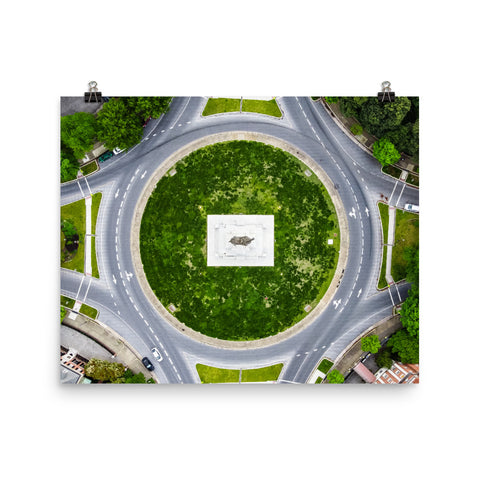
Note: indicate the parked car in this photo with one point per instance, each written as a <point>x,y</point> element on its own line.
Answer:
<point>157,354</point>
<point>412,208</point>
<point>147,363</point>
<point>105,156</point>
<point>117,150</point>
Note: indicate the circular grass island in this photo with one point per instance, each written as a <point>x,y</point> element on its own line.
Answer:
<point>233,302</point>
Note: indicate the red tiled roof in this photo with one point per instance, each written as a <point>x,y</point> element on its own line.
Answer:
<point>364,372</point>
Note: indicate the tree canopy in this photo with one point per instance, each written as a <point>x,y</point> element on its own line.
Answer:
<point>371,344</point>
<point>103,370</point>
<point>334,376</point>
<point>405,346</point>
<point>385,152</point>
<point>118,126</point>
<point>78,132</point>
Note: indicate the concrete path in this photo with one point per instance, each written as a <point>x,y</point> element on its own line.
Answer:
<point>390,242</point>
<point>88,236</point>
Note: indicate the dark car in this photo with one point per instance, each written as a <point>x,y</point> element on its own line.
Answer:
<point>105,156</point>
<point>144,123</point>
<point>147,363</point>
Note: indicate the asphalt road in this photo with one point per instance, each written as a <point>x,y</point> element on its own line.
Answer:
<point>120,300</point>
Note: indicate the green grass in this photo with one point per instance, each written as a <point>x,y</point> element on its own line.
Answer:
<point>96,200</point>
<point>325,365</point>
<point>67,302</point>
<point>222,375</point>
<point>95,272</point>
<point>406,235</point>
<point>89,311</point>
<point>383,210</point>
<point>264,374</point>
<point>89,168</point>
<point>235,303</point>
<point>75,213</point>
<point>267,107</point>
<point>392,170</point>
<point>221,105</point>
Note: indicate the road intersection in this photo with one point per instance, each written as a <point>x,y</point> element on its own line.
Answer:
<point>308,127</point>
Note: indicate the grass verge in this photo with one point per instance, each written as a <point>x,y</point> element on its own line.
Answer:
<point>221,105</point>
<point>325,365</point>
<point>67,301</point>
<point>89,168</point>
<point>89,311</point>
<point>222,375</point>
<point>75,213</point>
<point>267,107</point>
<point>383,210</point>
<point>406,235</point>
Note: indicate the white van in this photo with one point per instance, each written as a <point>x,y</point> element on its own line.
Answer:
<point>412,208</point>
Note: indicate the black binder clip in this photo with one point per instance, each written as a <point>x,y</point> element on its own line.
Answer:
<point>93,96</point>
<point>386,95</point>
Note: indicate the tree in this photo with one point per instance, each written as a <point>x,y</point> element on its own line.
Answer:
<point>118,126</point>
<point>104,371</point>
<point>63,312</point>
<point>78,132</point>
<point>68,170</point>
<point>411,255</point>
<point>385,152</point>
<point>371,344</point>
<point>381,117</point>
<point>335,376</point>
<point>384,358</point>
<point>146,107</point>
<point>405,346</point>
<point>410,313</point>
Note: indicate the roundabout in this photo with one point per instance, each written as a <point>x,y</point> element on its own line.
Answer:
<point>239,174</point>
<point>127,304</point>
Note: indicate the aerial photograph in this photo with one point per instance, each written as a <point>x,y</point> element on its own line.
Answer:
<point>241,240</point>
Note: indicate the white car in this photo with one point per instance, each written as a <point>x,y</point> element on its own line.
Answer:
<point>117,150</point>
<point>412,208</point>
<point>157,355</point>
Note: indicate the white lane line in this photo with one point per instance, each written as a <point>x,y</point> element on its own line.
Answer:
<point>135,307</point>
<point>143,174</point>
<point>146,323</point>
<point>396,183</point>
<point>156,338</point>
<point>128,186</point>
<point>118,311</point>
<point>163,348</point>
<point>136,171</point>
<point>78,183</point>
<point>140,313</point>
<point>88,185</point>
<point>391,298</point>
<point>116,193</point>
<point>170,360</point>
<point>118,265</point>
<point>88,288</point>
<point>124,195</point>
<point>401,194</point>
<point>121,205</point>
<point>76,296</point>
<point>150,328</point>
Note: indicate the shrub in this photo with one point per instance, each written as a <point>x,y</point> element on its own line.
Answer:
<point>335,377</point>
<point>356,129</point>
<point>331,99</point>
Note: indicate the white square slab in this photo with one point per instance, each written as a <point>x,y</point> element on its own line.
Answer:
<point>240,240</point>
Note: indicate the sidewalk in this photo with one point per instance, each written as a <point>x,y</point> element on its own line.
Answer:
<point>366,140</point>
<point>354,353</point>
<point>390,243</point>
<point>122,352</point>
<point>88,236</point>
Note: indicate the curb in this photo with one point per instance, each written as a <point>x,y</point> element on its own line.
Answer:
<point>179,155</point>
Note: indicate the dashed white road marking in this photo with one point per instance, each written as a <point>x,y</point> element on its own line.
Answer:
<point>143,174</point>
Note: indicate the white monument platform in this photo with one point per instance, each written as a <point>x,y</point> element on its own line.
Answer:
<point>240,240</point>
